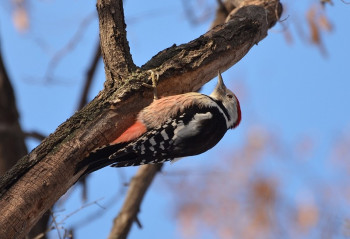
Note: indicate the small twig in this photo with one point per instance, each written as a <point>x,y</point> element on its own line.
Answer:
<point>68,233</point>
<point>191,16</point>
<point>223,7</point>
<point>89,76</point>
<point>284,19</point>
<point>56,224</point>
<point>81,208</point>
<point>137,220</point>
<point>40,235</point>
<point>69,46</point>
<point>95,215</point>
<point>154,84</point>
<point>34,135</point>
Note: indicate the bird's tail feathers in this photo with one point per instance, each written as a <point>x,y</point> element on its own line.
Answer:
<point>116,155</point>
<point>101,158</point>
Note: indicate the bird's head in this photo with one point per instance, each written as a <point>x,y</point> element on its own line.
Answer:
<point>230,102</point>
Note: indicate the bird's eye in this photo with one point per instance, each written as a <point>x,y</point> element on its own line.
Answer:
<point>229,96</point>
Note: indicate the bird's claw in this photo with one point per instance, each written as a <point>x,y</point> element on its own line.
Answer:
<point>154,77</point>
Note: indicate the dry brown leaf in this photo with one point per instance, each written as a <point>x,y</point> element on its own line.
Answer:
<point>20,19</point>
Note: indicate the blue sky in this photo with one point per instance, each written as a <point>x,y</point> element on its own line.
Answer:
<point>291,89</point>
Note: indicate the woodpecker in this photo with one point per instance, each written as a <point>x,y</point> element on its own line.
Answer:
<point>169,128</point>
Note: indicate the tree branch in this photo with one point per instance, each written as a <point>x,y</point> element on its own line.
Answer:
<point>195,63</point>
<point>114,45</point>
<point>12,146</point>
<point>222,11</point>
<point>41,177</point>
<point>89,77</point>
<point>131,207</point>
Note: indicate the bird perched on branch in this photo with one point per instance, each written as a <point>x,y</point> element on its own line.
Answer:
<point>169,128</point>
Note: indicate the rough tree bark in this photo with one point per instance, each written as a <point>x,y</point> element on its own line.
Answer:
<point>43,176</point>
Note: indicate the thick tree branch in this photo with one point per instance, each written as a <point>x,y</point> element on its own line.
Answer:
<point>115,47</point>
<point>40,178</point>
<point>195,63</point>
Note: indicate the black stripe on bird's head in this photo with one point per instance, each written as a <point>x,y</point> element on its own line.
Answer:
<point>229,100</point>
